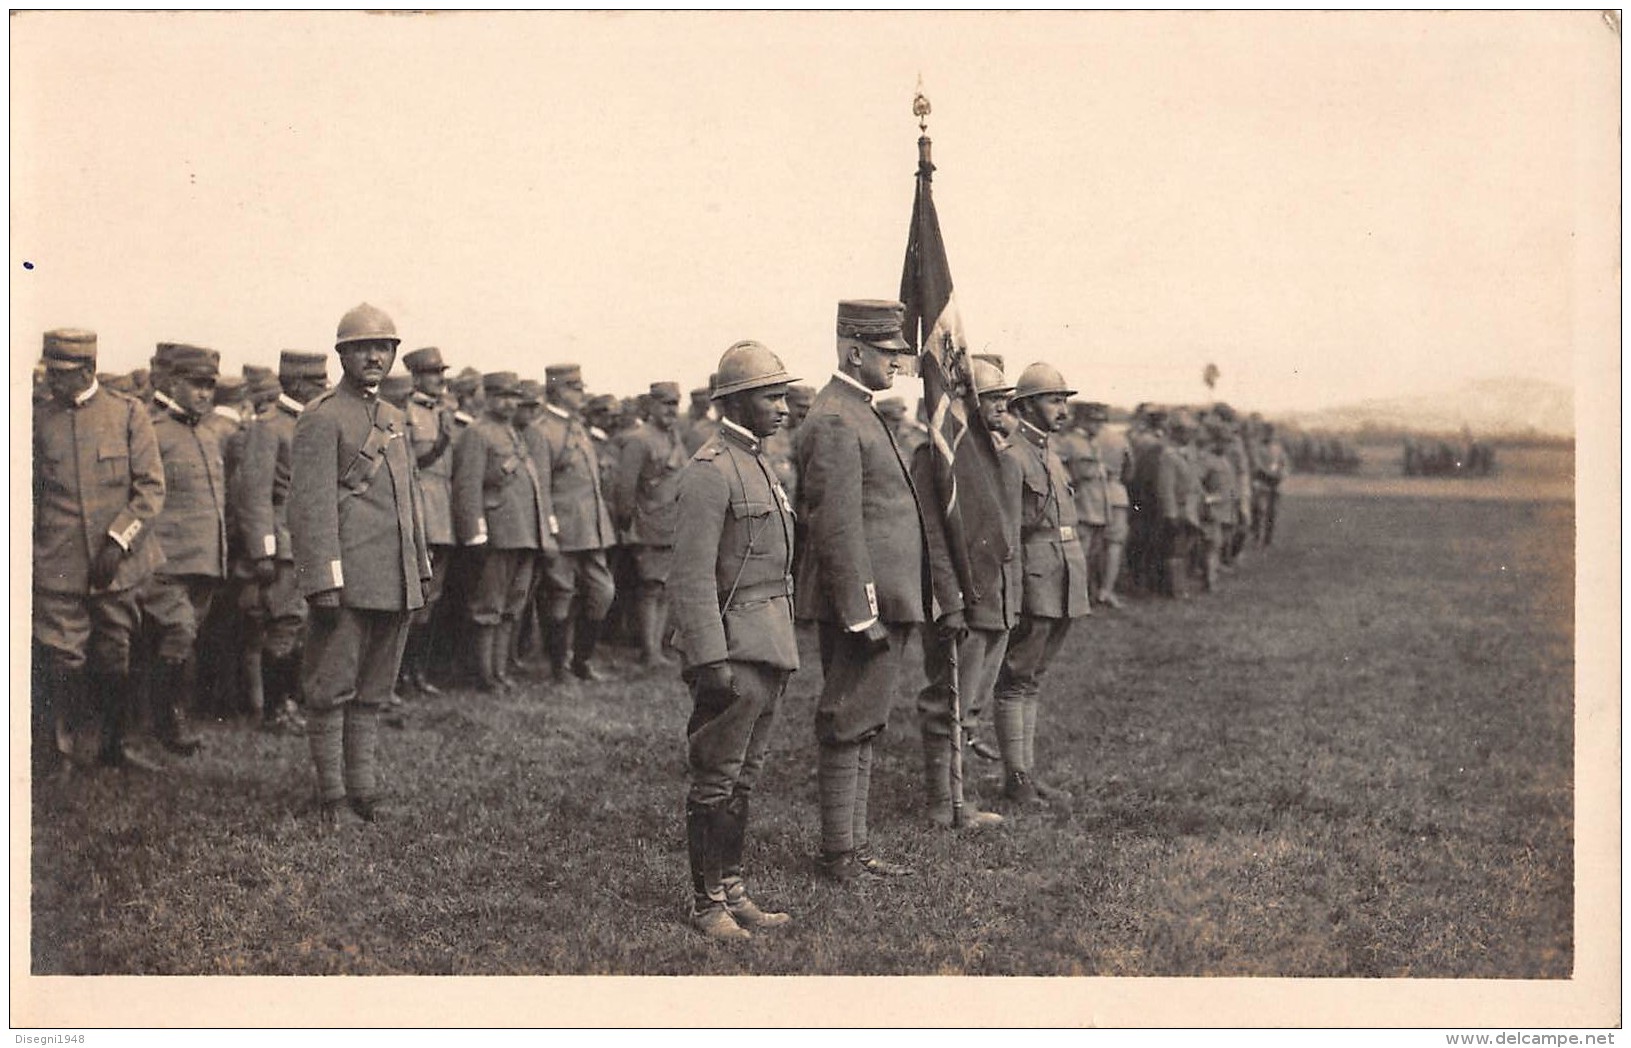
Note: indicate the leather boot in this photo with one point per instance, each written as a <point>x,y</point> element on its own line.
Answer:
<point>941,792</point>
<point>709,914</point>
<point>112,692</point>
<point>58,694</point>
<point>1178,577</point>
<point>732,826</point>
<point>503,650</point>
<point>487,682</point>
<point>251,671</point>
<point>171,693</point>
<point>558,644</point>
<point>583,648</point>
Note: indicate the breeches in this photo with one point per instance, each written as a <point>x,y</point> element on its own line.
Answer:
<point>857,688</point>
<point>276,612</point>
<point>727,736</point>
<point>93,629</point>
<point>583,574</point>
<point>979,658</point>
<point>175,605</point>
<point>502,585</point>
<point>1031,648</point>
<point>352,656</point>
<point>651,563</point>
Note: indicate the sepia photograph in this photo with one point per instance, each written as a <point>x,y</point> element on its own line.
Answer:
<point>895,519</point>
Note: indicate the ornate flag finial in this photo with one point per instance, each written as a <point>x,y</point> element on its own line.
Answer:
<point>920,106</point>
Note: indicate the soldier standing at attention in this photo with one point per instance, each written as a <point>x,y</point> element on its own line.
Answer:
<point>564,454</point>
<point>1269,468</point>
<point>360,558</point>
<point>1219,498</point>
<point>861,576</point>
<point>647,486</point>
<point>731,602</point>
<point>1055,567</point>
<point>275,609</point>
<point>976,622</point>
<point>1178,498</point>
<point>430,438</point>
<point>191,529</point>
<point>501,513</point>
<point>98,485</point>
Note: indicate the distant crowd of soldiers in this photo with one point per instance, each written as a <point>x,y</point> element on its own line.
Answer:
<point>1441,458</point>
<point>312,554</point>
<point>1322,453</point>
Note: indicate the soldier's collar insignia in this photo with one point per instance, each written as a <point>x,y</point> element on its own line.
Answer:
<point>865,394</point>
<point>290,404</point>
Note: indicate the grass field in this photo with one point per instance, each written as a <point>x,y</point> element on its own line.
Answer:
<point>1353,760</point>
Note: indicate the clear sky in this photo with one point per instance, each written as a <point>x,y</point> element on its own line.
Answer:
<point>1327,206</point>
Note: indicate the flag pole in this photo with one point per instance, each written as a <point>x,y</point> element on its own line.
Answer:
<point>947,643</point>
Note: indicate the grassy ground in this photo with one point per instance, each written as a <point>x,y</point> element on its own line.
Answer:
<point>1354,760</point>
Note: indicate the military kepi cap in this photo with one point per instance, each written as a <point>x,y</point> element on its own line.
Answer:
<point>667,392</point>
<point>294,364</point>
<point>70,348</point>
<point>427,359</point>
<point>532,393</point>
<point>501,382</point>
<point>260,382</point>
<point>560,374</point>
<point>184,361</point>
<point>874,321</point>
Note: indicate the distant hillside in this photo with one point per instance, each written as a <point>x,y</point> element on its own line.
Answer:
<point>1497,407</point>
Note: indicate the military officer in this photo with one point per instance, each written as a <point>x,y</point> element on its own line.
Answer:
<point>644,500</point>
<point>1095,473</point>
<point>731,602</point>
<point>1178,499</point>
<point>861,576</point>
<point>1219,498</point>
<point>1055,567</point>
<point>1269,468</point>
<point>501,510</point>
<point>430,438</point>
<point>563,452</point>
<point>360,558</point>
<point>98,484</point>
<point>191,529</point>
<point>273,605</point>
<point>975,620</point>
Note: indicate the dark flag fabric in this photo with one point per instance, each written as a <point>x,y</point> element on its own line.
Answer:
<point>968,487</point>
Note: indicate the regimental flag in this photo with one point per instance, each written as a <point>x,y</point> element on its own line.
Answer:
<point>968,486</point>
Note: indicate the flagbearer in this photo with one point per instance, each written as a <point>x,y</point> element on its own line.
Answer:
<point>861,574</point>
<point>1055,568</point>
<point>976,621</point>
<point>731,606</point>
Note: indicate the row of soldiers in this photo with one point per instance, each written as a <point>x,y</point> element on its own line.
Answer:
<point>359,538</point>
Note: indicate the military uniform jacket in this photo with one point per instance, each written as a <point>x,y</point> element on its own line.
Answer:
<point>1220,499</point>
<point>1054,560</point>
<point>353,512</point>
<point>1089,474</point>
<point>565,458</point>
<point>996,605</point>
<point>96,471</point>
<point>864,549</point>
<point>192,527</point>
<point>259,489</point>
<point>427,419</point>
<point>730,589</point>
<point>498,499</point>
<point>647,485</point>
<point>1177,486</point>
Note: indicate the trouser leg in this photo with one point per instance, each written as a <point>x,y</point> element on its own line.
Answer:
<point>836,771</point>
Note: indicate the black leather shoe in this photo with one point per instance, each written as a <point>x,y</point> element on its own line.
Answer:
<point>367,810</point>
<point>983,750</point>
